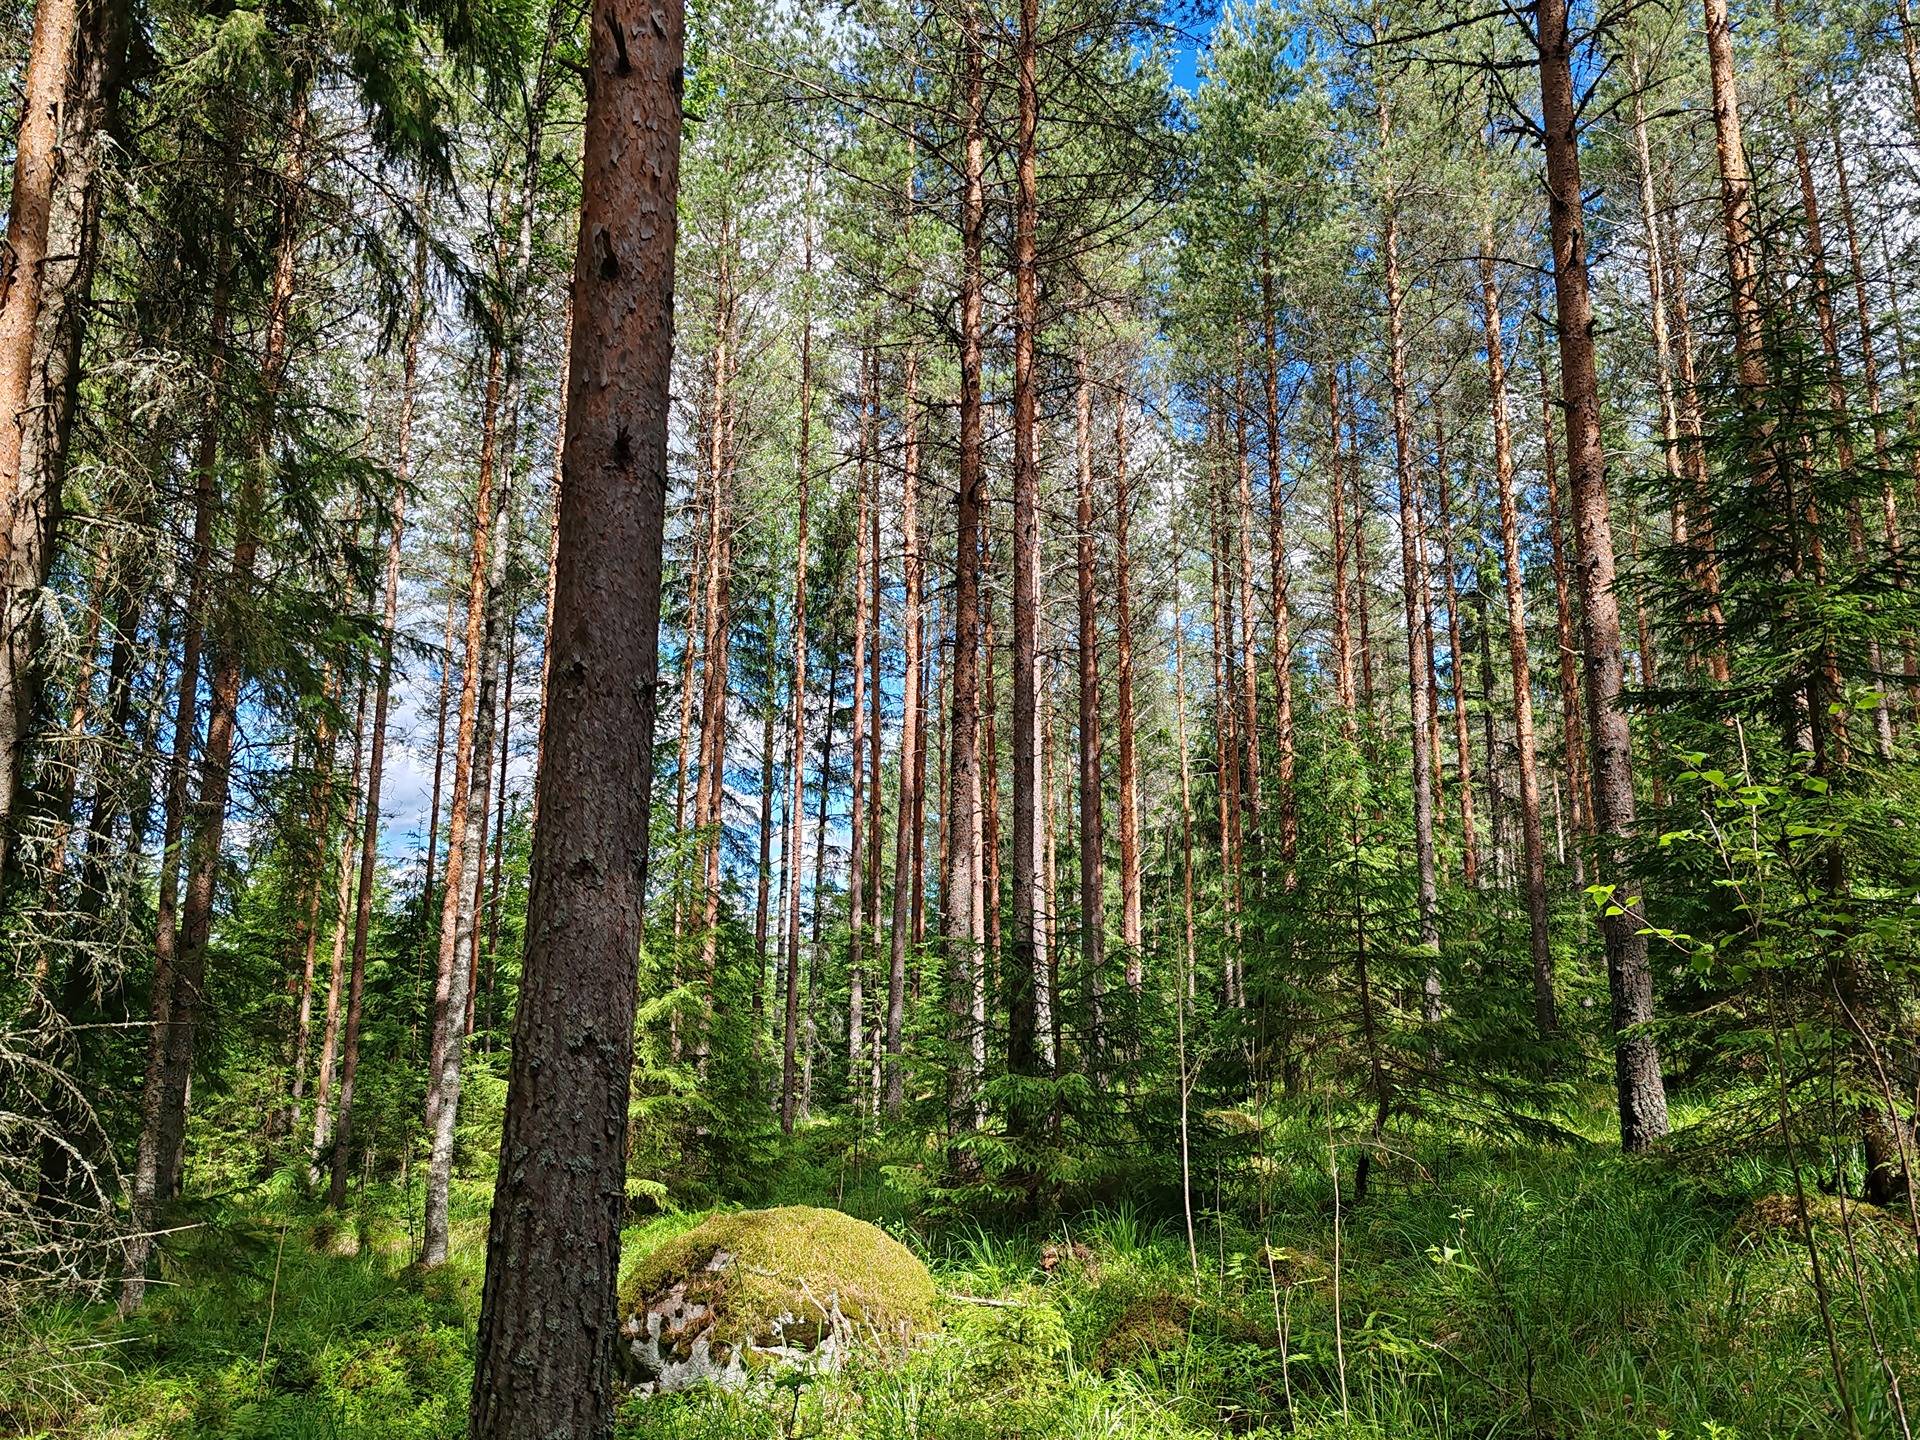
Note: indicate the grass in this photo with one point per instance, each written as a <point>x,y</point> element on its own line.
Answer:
<point>1484,1292</point>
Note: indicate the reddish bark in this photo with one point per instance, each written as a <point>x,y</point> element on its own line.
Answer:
<point>1641,1091</point>
<point>544,1364</point>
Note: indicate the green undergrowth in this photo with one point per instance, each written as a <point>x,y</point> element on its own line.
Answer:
<point>1483,1292</point>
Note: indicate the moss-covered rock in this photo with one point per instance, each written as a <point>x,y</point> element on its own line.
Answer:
<point>756,1290</point>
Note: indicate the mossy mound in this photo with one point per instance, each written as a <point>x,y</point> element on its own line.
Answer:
<point>1148,1327</point>
<point>756,1290</point>
<point>1772,1217</point>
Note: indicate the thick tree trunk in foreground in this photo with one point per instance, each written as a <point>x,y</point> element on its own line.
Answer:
<point>46,284</point>
<point>548,1330</point>
<point>1642,1093</point>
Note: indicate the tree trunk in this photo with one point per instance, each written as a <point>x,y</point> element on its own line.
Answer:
<point>344,871</point>
<point>905,822</point>
<point>1225,751</point>
<point>1870,380</point>
<point>1127,777</point>
<point>990,809</point>
<point>1736,203</point>
<point>460,914</point>
<point>931,688</point>
<point>439,757</point>
<point>1703,562</point>
<point>761,917</point>
<point>962,902</point>
<point>1093,881</point>
<point>1457,669</point>
<point>376,760</point>
<point>1411,571</point>
<point>1249,719</point>
<point>1280,615</point>
<point>1028,959</point>
<point>1188,985</point>
<point>789,1071</point>
<point>544,1364</point>
<point>809,1025</point>
<point>1572,731</point>
<point>1642,1094</point>
<point>1337,519</point>
<point>46,283</point>
<point>710,792</point>
<point>1657,314</point>
<point>1545,1013</point>
<point>472,750</point>
<point>180,988</point>
<point>857,936</point>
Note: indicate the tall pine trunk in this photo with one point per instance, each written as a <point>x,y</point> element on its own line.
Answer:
<point>1533,847</point>
<point>907,803</point>
<point>1412,570</point>
<point>544,1363</point>
<point>789,1071</point>
<point>1457,668</point>
<point>857,934</point>
<point>962,921</point>
<point>46,283</point>
<point>1641,1091</point>
<point>1092,846</point>
<point>1126,751</point>
<point>1028,956</point>
<point>377,758</point>
<point>181,999</point>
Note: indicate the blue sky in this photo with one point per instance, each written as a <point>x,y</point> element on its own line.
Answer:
<point>1190,23</point>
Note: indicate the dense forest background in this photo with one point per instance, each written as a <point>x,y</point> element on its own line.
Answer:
<point>1288,660</point>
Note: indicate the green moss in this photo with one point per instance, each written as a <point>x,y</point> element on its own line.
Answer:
<point>1149,1326</point>
<point>794,1260</point>
<point>1777,1217</point>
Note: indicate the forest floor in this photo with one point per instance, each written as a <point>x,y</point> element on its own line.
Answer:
<point>1482,1291</point>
